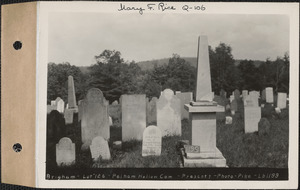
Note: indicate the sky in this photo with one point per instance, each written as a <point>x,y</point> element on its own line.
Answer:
<point>78,37</point>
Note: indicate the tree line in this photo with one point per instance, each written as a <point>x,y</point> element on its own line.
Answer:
<point>114,76</point>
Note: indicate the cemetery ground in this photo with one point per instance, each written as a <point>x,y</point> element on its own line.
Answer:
<point>266,148</point>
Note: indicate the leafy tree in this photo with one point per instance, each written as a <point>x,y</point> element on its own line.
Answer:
<point>58,81</point>
<point>223,71</point>
<point>251,78</point>
<point>176,75</point>
<point>113,76</point>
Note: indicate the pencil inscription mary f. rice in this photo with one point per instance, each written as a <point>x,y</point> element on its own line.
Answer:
<point>156,97</point>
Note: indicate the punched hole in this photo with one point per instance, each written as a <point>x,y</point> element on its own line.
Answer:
<point>17,45</point>
<point>17,147</point>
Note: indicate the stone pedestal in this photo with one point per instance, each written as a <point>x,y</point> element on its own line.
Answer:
<point>203,133</point>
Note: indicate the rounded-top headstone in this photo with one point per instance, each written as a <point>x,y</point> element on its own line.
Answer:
<point>151,141</point>
<point>65,143</point>
<point>168,94</point>
<point>95,95</point>
<point>94,117</point>
<point>169,113</point>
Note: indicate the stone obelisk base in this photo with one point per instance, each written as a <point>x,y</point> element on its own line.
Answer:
<point>203,159</point>
<point>203,133</point>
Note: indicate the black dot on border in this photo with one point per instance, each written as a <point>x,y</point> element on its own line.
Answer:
<point>17,147</point>
<point>17,45</point>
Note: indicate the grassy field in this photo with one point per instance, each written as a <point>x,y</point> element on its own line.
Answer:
<point>239,149</point>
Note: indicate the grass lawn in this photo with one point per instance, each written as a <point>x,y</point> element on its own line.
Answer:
<point>239,149</point>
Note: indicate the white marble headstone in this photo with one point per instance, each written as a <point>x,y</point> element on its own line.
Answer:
<point>133,116</point>
<point>99,147</point>
<point>151,141</point>
<point>169,113</point>
<point>60,105</point>
<point>269,95</point>
<point>53,103</point>
<point>65,152</point>
<point>281,100</point>
<point>244,94</point>
<point>252,116</point>
<point>94,117</point>
<point>231,98</point>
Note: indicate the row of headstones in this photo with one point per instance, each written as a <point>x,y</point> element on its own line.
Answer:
<point>95,121</point>
<point>167,112</point>
<point>65,149</point>
<point>93,113</point>
<point>252,111</point>
<point>58,105</point>
<point>251,99</point>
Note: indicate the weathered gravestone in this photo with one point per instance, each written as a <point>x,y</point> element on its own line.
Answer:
<point>223,93</point>
<point>151,141</point>
<point>251,100</point>
<point>169,113</point>
<point>133,117</point>
<point>68,115</point>
<point>94,119</point>
<point>53,103</point>
<point>185,98</point>
<point>65,152</point>
<point>252,112</point>
<point>60,105</point>
<point>55,127</point>
<point>269,95</point>
<point>151,110</point>
<point>99,149</point>
<point>234,106</point>
<point>115,102</point>
<point>55,131</point>
<point>254,98</point>
<point>281,100</point>
<point>263,94</point>
<point>237,94</point>
<point>252,117</point>
<point>244,94</point>
<point>231,98</point>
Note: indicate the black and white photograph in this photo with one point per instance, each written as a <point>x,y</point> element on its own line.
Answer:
<point>167,96</point>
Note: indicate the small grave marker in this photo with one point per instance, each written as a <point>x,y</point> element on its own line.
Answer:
<point>151,141</point>
<point>99,147</point>
<point>65,152</point>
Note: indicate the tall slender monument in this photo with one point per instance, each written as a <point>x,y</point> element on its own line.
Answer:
<point>72,106</point>
<point>71,93</point>
<point>203,116</point>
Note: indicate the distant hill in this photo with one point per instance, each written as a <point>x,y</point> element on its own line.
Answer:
<point>256,63</point>
<point>148,65</point>
<point>84,69</point>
